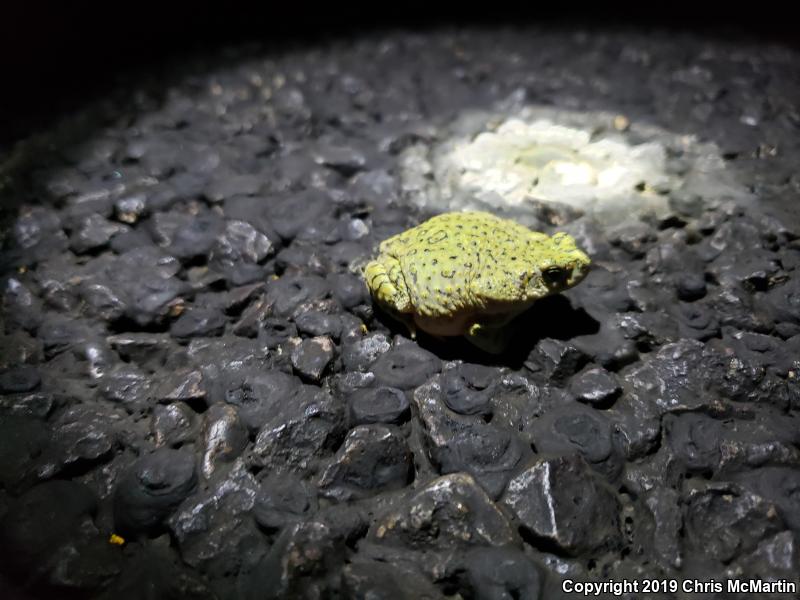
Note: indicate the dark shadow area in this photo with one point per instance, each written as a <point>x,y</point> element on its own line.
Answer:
<point>542,544</point>
<point>9,590</point>
<point>58,58</point>
<point>553,317</point>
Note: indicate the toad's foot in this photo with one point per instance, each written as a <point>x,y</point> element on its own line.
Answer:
<point>492,340</point>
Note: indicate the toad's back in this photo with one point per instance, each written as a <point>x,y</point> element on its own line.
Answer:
<point>446,258</point>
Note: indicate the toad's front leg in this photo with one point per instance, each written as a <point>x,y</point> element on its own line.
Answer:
<point>493,340</point>
<point>385,280</point>
<point>387,285</point>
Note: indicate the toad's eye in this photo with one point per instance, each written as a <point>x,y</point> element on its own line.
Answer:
<point>554,276</point>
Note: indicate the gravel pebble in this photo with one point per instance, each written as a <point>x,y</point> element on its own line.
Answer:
<point>152,489</point>
<point>405,366</point>
<point>311,357</point>
<point>378,405</point>
<point>373,458</point>
<point>559,499</point>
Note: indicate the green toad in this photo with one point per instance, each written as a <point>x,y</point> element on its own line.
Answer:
<point>470,273</point>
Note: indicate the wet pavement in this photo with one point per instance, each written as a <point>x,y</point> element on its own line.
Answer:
<point>190,361</point>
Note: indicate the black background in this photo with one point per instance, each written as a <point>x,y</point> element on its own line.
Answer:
<point>57,57</point>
